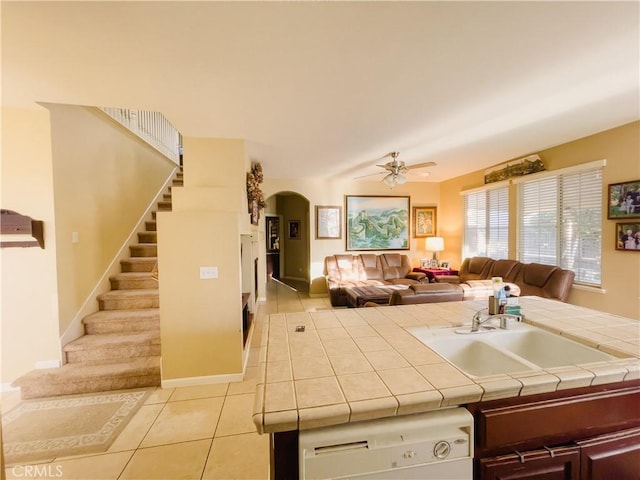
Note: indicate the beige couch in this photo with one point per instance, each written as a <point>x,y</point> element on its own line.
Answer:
<point>367,269</point>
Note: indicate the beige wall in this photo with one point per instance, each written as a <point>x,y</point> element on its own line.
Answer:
<point>104,179</point>
<point>620,292</point>
<point>29,310</point>
<point>200,325</point>
<point>201,318</point>
<point>332,192</point>
<point>77,171</point>
<point>295,252</point>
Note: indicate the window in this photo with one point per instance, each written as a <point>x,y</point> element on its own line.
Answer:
<point>561,222</point>
<point>486,223</point>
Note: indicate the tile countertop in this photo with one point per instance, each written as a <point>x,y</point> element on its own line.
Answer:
<point>358,364</point>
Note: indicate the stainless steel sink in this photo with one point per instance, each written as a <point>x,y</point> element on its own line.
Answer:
<point>522,348</point>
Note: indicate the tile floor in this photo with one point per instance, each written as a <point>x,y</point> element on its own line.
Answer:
<point>202,432</point>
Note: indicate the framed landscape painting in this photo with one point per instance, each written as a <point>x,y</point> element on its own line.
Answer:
<point>377,222</point>
<point>624,200</point>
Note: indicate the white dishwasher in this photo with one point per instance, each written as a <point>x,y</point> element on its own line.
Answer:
<point>435,445</point>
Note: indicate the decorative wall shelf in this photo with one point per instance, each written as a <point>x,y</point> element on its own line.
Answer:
<point>20,227</point>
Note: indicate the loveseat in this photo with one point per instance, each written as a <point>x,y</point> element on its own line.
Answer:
<point>344,271</point>
<point>475,273</point>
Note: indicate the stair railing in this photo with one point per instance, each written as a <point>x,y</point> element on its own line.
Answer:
<point>152,127</point>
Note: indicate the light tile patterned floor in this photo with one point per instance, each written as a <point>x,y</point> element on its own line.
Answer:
<point>201,432</point>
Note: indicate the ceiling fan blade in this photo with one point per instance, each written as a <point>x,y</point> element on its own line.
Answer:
<point>421,165</point>
<point>371,175</point>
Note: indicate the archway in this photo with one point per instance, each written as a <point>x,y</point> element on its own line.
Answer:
<point>287,236</point>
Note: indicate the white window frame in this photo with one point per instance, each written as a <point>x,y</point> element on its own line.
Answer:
<point>583,275</point>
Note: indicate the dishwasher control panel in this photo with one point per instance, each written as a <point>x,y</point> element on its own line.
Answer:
<point>407,446</point>
<point>430,451</point>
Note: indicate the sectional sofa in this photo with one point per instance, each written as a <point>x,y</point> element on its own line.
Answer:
<point>345,271</point>
<point>523,279</point>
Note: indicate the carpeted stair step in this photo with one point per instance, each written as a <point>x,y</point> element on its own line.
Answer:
<point>113,346</point>
<point>121,321</point>
<point>166,196</point>
<point>164,206</point>
<point>148,237</point>
<point>178,182</point>
<point>144,250</point>
<point>129,299</point>
<point>132,281</point>
<point>75,378</point>
<point>138,264</point>
<point>151,226</point>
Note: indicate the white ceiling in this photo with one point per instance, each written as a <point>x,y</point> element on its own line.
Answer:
<point>324,89</point>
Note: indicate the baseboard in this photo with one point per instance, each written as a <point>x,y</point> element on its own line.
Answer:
<point>48,364</point>
<point>204,380</point>
<point>6,387</point>
<point>318,295</point>
<point>296,279</point>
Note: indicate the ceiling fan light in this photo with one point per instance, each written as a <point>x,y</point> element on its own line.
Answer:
<point>389,180</point>
<point>400,179</point>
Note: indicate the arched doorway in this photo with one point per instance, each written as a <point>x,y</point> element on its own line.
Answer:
<point>287,238</point>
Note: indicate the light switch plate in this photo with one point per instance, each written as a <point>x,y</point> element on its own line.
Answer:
<point>208,272</point>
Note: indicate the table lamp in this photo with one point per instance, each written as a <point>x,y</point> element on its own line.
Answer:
<point>435,245</point>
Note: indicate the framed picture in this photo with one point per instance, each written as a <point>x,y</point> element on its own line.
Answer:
<point>425,221</point>
<point>424,263</point>
<point>628,236</point>
<point>624,200</point>
<point>377,222</point>
<point>294,229</point>
<point>445,264</point>
<point>328,222</point>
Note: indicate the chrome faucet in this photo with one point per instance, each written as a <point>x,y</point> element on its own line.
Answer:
<point>504,318</point>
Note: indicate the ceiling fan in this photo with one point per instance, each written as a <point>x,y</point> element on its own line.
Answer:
<point>397,169</point>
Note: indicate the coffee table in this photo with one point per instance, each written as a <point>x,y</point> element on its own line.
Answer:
<point>358,296</point>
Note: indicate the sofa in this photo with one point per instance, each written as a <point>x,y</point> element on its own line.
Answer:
<point>427,293</point>
<point>523,279</point>
<point>344,271</point>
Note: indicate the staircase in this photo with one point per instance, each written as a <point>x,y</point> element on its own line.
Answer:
<point>121,345</point>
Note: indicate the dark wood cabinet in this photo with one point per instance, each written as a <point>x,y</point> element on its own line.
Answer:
<point>611,456</point>
<point>589,434</point>
<point>560,464</point>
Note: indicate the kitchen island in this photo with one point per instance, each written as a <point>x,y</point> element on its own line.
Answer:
<point>350,365</point>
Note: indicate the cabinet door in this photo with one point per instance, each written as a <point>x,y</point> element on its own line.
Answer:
<point>558,464</point>
<point>611,456</point>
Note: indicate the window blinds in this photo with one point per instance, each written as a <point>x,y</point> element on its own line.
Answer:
<point>486,223</point>
<point>561,222</point>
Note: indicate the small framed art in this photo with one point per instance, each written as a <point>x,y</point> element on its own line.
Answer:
<point>294,229</point>
<point>623,200</point>
<point>628,236</point>
<point>424,221</point>
<point>328,222</point>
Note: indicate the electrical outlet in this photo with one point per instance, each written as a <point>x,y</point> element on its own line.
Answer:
<point>208,272</point>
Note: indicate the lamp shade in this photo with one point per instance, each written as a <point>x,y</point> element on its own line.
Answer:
<point>435,244</point>
<point>389,180</point>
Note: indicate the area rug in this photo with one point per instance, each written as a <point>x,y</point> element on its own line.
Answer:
<point>44,429</point>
